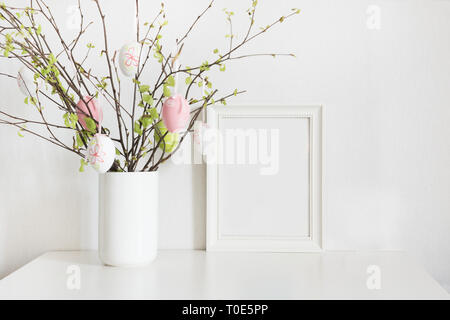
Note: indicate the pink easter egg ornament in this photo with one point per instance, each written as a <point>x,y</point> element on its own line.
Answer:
<point>176,113</point>
<point>87,107</point>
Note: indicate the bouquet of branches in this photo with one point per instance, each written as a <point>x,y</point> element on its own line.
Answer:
<point>149,129</point>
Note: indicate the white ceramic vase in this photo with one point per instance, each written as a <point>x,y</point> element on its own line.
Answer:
<point>128,218</point>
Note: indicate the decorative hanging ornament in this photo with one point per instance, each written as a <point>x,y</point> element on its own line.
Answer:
<point>26,82</point>
<point>201,132</point>
<point>101,153</point>
<point>176,110</point>
<point>129,58</point>
<point>89,107</point>
<point>175,113</point>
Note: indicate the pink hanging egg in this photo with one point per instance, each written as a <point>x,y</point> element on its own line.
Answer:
<point>94,109</point>
<point>176,113</point>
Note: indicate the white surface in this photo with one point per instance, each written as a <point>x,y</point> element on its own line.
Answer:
<point>387,128</point>
<point>128,221</point>
<point>219,275</point>
<point>265,179</point>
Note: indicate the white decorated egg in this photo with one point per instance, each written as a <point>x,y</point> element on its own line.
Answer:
<point>26,82</point>
<point>129,58</point>
<point>101,153</point>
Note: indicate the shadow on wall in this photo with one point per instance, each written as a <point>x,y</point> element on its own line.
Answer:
<point>44,207</point>
<point>182,213</point>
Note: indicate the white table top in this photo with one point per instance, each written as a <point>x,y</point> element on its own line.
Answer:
<point>218,275</point>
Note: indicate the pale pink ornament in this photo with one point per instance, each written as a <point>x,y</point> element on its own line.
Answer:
<point>94,109</point>
<point>176,113</point>
<point>200,132</point>
<point>101,153</point>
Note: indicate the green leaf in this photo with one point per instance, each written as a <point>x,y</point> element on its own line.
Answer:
<point>90,123</point>
<point>51,59</point>
<point>83,163</point>
<point>222,67</point>
<point>216,51</point>
<point>188,80</point>
<point>167,92</point>
<point>148,99</point>
<point>39,30</point>
<point>79,140</point>
<point>204,66</point>
<point>146,121</point>
<point>137,128</point>
<point>117,152</point>
<point>170,81</point>
<point>154,113</point>
<point>144,88</point>
<point>170,139</point>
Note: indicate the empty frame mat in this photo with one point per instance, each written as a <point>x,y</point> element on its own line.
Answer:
<point>264,179</point>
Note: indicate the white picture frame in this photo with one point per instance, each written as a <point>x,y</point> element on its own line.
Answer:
<point>239,198</point>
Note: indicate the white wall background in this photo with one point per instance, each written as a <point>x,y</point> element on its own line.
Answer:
<point>387,111</point>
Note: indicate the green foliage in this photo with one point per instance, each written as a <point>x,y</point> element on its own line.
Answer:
<point>51,59</point>
<point>146,121</point>
<point>70,120</point>
<point>90,124</point>
<point>102,85</point>
<point>137,128</point>
<point>148,99</point>
<point>79,140</point>
<point>170,139</point>
<point>144,88</point>
<point>170,81</point>
<point>158,54</point>
<point>153,113</point>
<point>166,91</point>
<point>25,38</point>
<point>83,163</point>
<point>204,66</point>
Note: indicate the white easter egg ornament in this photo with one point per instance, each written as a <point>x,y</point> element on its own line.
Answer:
<point>101,153</point>
<point>26,82</point>
<point>129,58</point>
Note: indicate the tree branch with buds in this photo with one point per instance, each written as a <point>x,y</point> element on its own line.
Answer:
<point>142,142</point>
